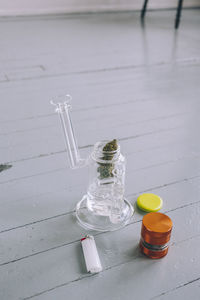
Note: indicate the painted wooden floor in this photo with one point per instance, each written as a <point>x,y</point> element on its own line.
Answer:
<point>138,84</point>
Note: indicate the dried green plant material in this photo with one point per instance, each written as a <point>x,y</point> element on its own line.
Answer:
<point>4,167</point>
<point>106,169</point>
<point>111,146</point>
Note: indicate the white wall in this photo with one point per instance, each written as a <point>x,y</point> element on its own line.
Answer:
<point>27,7</point>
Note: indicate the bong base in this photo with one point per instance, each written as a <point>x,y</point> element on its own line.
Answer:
<point>89,220</point>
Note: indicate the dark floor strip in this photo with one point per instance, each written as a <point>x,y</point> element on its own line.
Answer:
<point>176,288</point>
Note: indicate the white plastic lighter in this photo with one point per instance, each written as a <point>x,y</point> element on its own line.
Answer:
<point>91,255</point>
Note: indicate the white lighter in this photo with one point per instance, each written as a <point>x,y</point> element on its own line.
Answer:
<point>91,255</point>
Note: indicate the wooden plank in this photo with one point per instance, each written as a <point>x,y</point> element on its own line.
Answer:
<point>184,291</point>
<point>45,131</point>
<point>147,159</point>
<point>44,140</point>
<point>57,57</point>
<point>113,87</point>
<point>53,266</point>
<point>35,238</point>
<point>136,151</point>
<point>123,279</point>
<point>29,197</point>
<point>137,111</point>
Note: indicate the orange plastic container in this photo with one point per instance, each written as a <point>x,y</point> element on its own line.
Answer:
<point>155,234</point>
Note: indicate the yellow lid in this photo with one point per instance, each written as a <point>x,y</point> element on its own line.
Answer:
<point>149,202</point>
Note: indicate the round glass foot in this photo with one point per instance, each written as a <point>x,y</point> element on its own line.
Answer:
<point>89,220</point>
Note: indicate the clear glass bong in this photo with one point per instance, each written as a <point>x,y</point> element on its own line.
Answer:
<point>104,207</point>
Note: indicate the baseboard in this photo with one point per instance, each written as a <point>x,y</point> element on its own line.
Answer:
<point>46,7</point>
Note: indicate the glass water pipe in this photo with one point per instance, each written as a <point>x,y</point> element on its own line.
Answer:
<point>103,207</point>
